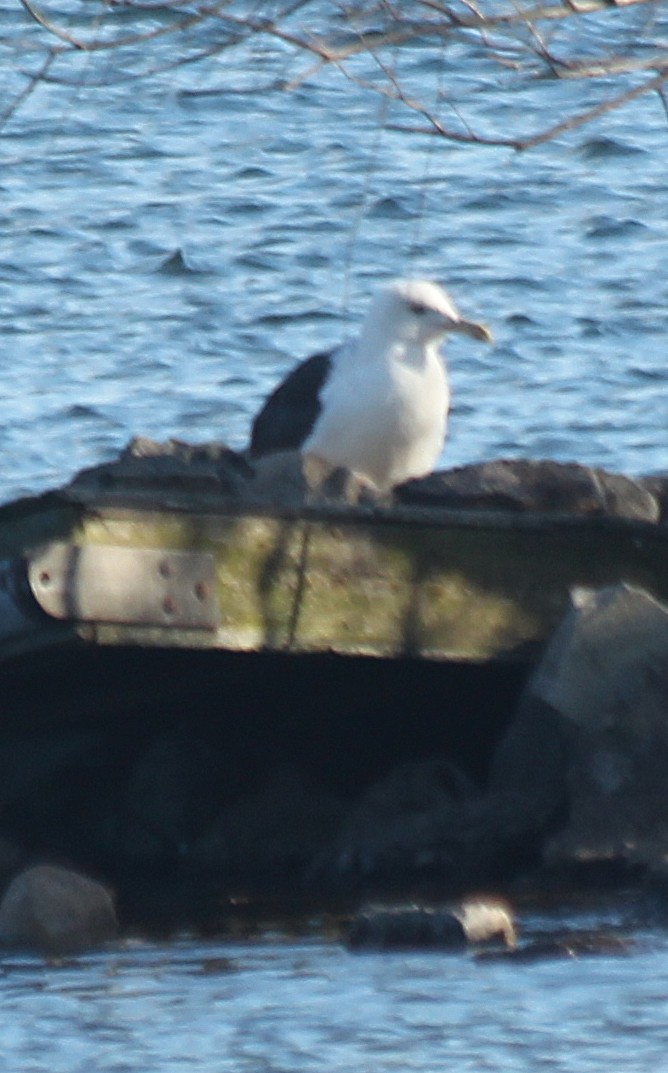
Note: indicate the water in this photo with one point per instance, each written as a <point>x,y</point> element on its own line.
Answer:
<point>285,1006</point>
<point>167,250</point>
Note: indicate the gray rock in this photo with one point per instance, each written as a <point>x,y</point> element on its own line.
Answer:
<point>657,485</point>
<point>590,742</point>
<point>160,810</point>
<point>279,480</point>
<point>146,466</point>
<point>527,485</point>
<point>272,832</point>
<point>407,826</point>
<point>56,911</point>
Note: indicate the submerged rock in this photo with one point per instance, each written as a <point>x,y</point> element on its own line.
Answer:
<point>56,911</point>
<point>473,920</point>
<point>568,944</point>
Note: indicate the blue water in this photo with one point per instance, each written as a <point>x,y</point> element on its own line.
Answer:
<point>168,247</point>
<point>281,1006</point>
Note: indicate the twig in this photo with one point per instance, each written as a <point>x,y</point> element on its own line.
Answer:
<point>575,121</point>
<point>33,82</point>
<point>570,123</point>
<point>400,24</point>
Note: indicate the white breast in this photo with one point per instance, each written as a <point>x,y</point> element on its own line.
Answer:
<point>384,420</point>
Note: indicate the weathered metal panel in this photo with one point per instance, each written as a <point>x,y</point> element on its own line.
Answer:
<point>128,585</point>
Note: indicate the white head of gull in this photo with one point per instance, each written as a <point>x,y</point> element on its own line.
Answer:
<point>377,405</point>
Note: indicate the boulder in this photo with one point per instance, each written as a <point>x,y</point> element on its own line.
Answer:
<point>171,467</point>
<point>279,479</point>
<point>56,911</point>
<point>473,920</point>
<point>589,744</point>
<point>528,485</point>
<point>406,827</point>
<point>161,807</point>
<point>272,832</point>
<point>657,485</point>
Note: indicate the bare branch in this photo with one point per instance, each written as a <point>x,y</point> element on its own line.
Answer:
<point>572,122</point>
<point>550,40</point>
<point>33,81</point>
<point>42,21</point>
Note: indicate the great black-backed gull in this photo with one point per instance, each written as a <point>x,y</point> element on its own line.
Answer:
<point>376,405</point>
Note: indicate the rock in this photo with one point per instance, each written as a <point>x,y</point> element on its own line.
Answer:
<point>569,945</point>
<point>174,467</point>
<point>527,485</point>
<point>406,827</point>
<point>279,479</point>
<point>590,741</point>
<point>657,485</point>
<point>484,919</point>
<point>161,808</point>
<point>273,832</point>
<point>474,920</point>
<point>56,911</point>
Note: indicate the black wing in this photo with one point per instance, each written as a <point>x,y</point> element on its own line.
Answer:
<point>290,412</point>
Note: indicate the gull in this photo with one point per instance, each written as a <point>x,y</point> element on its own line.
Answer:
<point>377,405</point>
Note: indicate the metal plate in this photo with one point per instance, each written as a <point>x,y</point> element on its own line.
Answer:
<point>135,586</point>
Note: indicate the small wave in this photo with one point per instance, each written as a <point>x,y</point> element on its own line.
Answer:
<point>390,208</point>
<point>605,148</point>
<point>78,412</point>
<point>609,227</point>
<point>177,264</point>
<point>590,327</point>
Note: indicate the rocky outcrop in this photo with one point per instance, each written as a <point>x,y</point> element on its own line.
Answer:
<point>272,833</point>
<point>173,466</point>
<point>517,485</point>
<point>590,741</point>
<point>657,485</point>
<point>407,827</point>
<point>56,911</point>
<point>541,486</point>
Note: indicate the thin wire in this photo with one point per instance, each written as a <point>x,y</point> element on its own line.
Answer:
<point>365,198</point>
<point>427,170</point>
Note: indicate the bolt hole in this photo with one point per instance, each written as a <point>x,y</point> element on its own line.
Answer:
<point>201,591</point>
<point>164,569</point>
<point>169,606</point>
<point>44,577</point>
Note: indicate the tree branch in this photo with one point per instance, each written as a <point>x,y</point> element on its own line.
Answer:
<point>513,37</point>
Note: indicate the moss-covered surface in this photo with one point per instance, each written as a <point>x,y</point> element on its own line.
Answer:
<point>457,587</point>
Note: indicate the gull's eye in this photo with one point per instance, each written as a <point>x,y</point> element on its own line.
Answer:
<point>418,308</point>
